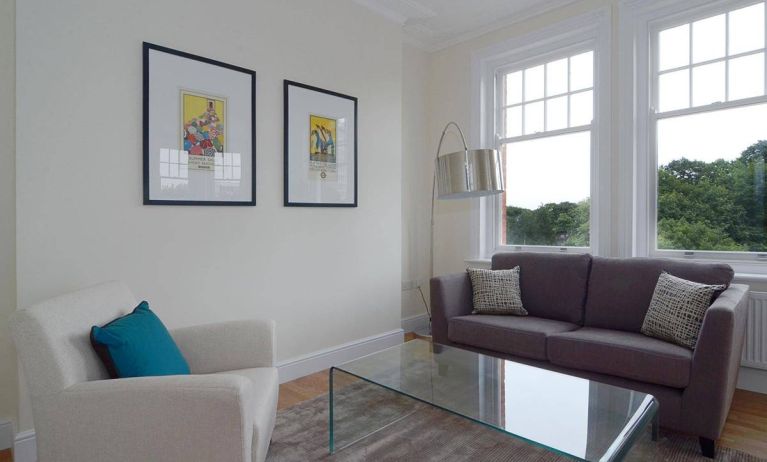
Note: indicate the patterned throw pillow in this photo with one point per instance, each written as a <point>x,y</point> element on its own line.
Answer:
<point>496,291</point>
<point>677,309</point>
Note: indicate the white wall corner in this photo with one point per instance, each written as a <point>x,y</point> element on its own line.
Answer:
<point>292,369</point>
<point>6,435</point>
<point>25,447</point>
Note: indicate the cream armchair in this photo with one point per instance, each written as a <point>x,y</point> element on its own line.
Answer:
<point>224,411</point>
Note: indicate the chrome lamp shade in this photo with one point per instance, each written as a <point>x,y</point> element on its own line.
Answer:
<point>469,173</point>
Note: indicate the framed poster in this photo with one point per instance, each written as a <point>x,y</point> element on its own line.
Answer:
<point>320,147</point>
<point>199,130</point>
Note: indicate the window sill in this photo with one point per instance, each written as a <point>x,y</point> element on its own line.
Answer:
<point>745,278</point>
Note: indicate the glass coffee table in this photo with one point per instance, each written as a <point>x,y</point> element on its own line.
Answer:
<point>575,417</point>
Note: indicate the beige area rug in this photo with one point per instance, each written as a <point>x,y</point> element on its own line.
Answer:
<point>430,434</point>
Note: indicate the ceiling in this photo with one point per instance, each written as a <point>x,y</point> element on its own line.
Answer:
<point>437,24</point>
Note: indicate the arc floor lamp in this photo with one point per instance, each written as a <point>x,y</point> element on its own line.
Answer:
<point>461,175</point>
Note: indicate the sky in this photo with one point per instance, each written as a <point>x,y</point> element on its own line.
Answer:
<point>557,169</point>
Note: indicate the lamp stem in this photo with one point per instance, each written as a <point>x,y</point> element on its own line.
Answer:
<point>434,190</point>
<point>433,200</point>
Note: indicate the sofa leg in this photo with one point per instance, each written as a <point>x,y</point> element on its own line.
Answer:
<point>707,447</point>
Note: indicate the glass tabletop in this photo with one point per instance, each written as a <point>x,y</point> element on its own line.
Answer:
<point>569,415</point>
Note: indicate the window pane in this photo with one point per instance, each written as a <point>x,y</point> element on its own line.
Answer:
<point>548,189</point>
<point>514,88</point>
<point>582,71</point>
<point>747,76</point>
<point>674,90</point>
<point>513,121</point>
<point>708,84</point>
<point>533,117</point>
<point>581,108</point>
<point>556,77</point>
<point>556,113</point>
<point>534,83</point>
<point>711,188</point>
<point>747,29</point>
<point>674,47</point>
<point>708,39</point>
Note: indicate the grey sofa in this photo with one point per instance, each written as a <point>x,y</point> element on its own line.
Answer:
<point>585,316</point>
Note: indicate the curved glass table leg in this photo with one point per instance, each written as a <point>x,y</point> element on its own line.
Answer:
<point>349,397</point>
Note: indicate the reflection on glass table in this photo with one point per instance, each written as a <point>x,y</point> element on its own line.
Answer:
<point>575,417</point>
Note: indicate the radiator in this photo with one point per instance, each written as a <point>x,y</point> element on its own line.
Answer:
<point>755,346</point>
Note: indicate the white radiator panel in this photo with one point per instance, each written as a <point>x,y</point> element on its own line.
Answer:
<point>755,346</point>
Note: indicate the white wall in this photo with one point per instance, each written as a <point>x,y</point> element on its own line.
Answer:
<point>8,378</point>
<point>327,276</point>
<point>416,179</point>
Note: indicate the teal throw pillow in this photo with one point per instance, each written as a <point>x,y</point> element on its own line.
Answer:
<point>138,345</point>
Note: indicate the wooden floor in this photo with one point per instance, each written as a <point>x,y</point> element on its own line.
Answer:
<point>746,427</point>
<point>5,456</point>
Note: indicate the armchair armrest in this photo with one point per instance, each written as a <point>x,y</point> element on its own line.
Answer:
<point>170,418</point>
<point>451,296</point>
<point>227,346</point>
<point>716,362</point>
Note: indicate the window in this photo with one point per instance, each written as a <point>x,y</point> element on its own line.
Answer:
<point>708,135</point>
<point>544,115</point>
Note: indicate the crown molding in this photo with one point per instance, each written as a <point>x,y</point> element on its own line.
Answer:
<point>420,12</point>
<point>538,9</point>
<point>417,10</point>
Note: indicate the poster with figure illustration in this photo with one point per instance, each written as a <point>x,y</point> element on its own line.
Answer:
<point>322,145</point>
<point>203,128</point>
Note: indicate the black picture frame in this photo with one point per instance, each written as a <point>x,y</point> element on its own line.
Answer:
<point>146,47</point>
<point>286,117</point>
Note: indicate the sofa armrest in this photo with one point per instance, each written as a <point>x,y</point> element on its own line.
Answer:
<point>716,362</point>
<point>161,419</point>
<point>227,346</point>
<point>450,297</point>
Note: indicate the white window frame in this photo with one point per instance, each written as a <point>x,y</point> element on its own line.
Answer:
<point>590,31</point>
<point>640,22</point>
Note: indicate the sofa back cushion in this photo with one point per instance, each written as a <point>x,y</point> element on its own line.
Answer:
<point>553,285</point>
<point>620,289</point>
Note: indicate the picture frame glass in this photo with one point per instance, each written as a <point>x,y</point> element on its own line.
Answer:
<point>199,131</point>
<point>320,151</point>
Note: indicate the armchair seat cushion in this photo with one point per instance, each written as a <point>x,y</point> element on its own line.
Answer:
<point>266,385</point>
<point>623,354</point>
<point>514,335</point>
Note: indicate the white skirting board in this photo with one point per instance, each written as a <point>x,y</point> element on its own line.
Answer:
<point>752,379</point>
<point>292,369</point>
<point>6,435</point>
<point>25,447</point>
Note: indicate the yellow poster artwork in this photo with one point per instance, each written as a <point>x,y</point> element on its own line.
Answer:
<point>203,128</point>
<point>322,146</point>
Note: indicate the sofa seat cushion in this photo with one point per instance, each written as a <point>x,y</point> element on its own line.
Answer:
<point>514,335</point>
<point>623,354</point>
